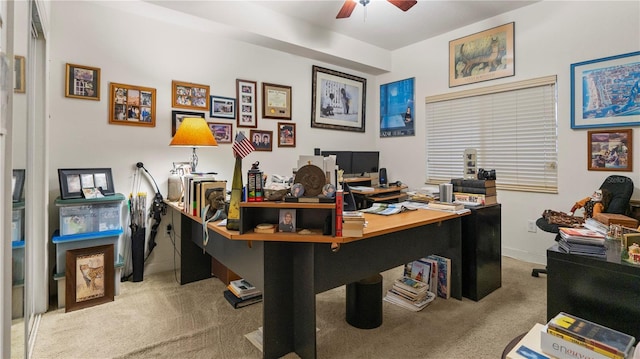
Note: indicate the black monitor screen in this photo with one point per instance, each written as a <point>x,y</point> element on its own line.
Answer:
<point>343,159</point>
<point>364,161</point>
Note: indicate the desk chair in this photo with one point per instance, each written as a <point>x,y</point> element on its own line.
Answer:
<point>621,189</point>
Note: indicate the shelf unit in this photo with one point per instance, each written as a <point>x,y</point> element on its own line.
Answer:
<point>319,218</point>
<point>88,210</point>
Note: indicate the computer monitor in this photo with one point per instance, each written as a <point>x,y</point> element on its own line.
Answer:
<point>343,159</point>
<point>365,162</point>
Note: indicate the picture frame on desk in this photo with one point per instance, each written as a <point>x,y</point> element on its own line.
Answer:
<point>338,100</point>
<point>89,277</point>
<point>592,80</point>
<point>73,181</point>
<point>610,150</point>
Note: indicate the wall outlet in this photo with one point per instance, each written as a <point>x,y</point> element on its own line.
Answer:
<point>531,226</point>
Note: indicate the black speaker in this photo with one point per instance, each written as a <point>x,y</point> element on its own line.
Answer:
<point>382,177</point>
<point>316,152</point>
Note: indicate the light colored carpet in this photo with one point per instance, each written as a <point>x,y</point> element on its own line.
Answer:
<point>158,318</point>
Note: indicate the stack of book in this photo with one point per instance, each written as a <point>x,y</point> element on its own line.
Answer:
<point>570,337</point>
<point>410,294</point>
<point>582,241</point>
<point>474,191</point>
<point>241,293</point>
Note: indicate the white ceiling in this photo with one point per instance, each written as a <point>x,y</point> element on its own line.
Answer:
<point>383,25</point>
<point>310,28</point>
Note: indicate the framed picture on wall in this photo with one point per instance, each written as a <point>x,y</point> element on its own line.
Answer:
<point>247,102</point>
<point>604,92</point>
<point>222,107</point>
<point>486,55</point>
<point>221,131</point>
<point>261,140</point>
<point>177,116</point>
<point>190,96</point>
<point>89,277</point>
<point>276,101</point>
<point>18,67</point>
<point>132,105</point>
<point>82,82</point>
<point>337,100</point>
<point>286,134</point>
<point>610,150</point>
<point>397,109</point>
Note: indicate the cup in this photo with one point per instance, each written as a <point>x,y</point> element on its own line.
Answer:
<point>446,192</point>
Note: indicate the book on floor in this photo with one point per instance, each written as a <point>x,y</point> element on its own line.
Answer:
<point>444,275</point>
<point>243,289</point>
<point>239,302</point>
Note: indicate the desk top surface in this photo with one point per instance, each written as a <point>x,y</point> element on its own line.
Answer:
<point>376,225</point>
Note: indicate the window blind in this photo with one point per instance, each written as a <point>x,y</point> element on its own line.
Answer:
<point>513,127</point>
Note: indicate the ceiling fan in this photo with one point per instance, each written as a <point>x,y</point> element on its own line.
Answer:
<point>349,5</point>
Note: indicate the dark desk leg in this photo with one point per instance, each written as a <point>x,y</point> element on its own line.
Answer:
<point>289,323</point>
<point>195,265</point>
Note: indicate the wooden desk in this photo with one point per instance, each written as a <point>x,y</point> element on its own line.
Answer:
<point>291,269</point>
<point>604,291</point>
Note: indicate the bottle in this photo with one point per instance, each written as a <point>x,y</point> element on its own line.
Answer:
<point>175,187</point>
<point>233,218</point>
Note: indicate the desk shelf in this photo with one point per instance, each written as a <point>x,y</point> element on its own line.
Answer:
<point>316,217</point>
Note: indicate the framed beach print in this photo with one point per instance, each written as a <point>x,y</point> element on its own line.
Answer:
<point>286,134</point>
<point>189,95</point>
<point>247,101</point>
<point>177,116</point>
<point>222,107</point>
<point>73,181</point>
<point>221,131</point>
<point>19,64</point>
<point>604,92</point>
<point>82,82</point>
<point>337,100</point>
<point>610,150</point>
<point>486,55</point>
<point>276,101</point>
<point>89,277</point>
<point>261,140</point>
<point>397,109</point>
<point>132,105</point>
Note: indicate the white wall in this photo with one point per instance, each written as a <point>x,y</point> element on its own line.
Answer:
<point>549,37</point>
<point>146,52</point>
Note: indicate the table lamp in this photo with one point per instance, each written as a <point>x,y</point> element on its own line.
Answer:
<point>193,132</point>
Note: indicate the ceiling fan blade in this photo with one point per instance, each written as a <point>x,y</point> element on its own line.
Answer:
<point>347,9</point>
<point>403,5</point>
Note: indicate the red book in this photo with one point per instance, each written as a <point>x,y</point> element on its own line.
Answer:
<point>339,209</point>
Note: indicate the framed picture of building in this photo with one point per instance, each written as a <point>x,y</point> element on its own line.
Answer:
<point>82,82</point>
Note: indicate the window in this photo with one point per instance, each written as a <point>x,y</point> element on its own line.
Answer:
<point>513,127</point>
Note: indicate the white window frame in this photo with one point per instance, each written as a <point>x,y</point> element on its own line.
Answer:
<point>512,126</point>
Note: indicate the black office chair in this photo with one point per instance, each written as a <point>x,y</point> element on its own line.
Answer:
<point>621,189</point>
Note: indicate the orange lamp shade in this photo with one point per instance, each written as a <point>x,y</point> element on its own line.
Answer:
<point>193,132</point>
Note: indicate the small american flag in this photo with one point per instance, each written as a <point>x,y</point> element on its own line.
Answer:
<point>242,146</point>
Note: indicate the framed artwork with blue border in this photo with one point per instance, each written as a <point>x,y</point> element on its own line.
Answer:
<point>606,92</point>
<point>397,115</point>
<point>222,107</point>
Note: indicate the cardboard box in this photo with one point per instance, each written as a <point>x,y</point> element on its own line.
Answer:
<point>612,218</point>
<point>352,226</point>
